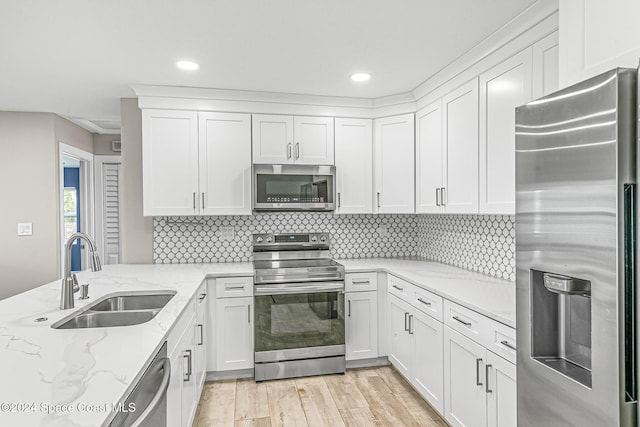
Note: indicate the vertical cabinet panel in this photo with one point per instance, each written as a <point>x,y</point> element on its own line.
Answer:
<point>225,163</point>
<point>272,139</point>
<point>361,325</point>
<point>314,140</point>
<point>427,375</point>
<point>545,66</point>
<point>200,338</point>
<point>394,164</point>
<point>502,89</point>
<point>189,394</point>
<point>460,109</point>
<point>169,162</point>
<point>354,161</point>
<point>400,344</point>
<point>465,400</point>
<point>429,158</point>
<point>501,394</point>
<point>234,333</point>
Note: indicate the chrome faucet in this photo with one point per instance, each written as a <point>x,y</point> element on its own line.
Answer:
<point>69,282</point>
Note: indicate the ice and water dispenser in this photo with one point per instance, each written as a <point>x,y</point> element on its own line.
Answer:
<point>561,324</point>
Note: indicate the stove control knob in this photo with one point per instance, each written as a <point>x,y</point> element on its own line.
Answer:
<point>259,239</point>
<point>314,238</point>
<point>269,240</point>
<point>323,239</point>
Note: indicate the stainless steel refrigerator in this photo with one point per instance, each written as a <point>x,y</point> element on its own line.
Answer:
<point>575,254</point>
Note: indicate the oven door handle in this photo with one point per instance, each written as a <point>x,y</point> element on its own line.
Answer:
<point>290,288</point>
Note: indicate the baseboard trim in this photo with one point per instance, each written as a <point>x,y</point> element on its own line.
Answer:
<point>229,375</point>
<point>368,363</point>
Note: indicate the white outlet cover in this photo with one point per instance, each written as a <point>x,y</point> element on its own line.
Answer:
<point>25,229</point>
<point>227,232</point>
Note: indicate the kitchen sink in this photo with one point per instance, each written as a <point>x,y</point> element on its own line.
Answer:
<point>118,309</point>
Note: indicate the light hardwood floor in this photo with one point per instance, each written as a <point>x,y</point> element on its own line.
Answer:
<point>362,397</point>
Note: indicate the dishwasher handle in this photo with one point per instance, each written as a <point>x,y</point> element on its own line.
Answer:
<point>162,391</point>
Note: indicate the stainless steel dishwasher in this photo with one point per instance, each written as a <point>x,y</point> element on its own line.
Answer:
<point>149,396</point>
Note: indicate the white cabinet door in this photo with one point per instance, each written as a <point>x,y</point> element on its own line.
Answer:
<point>545,66</point>
<point>313,140</point>
<point>169,162</point>
<point>361,325</point>
<point>234,333</point>
<point>460,131</point>
<point>200,345</point>
<point>354,161</point>
<point>225,163</point>
<point>501,392</point>
<point>272,139</point>
<point>189,394</point>
<point>174,392</point>
<point>502,89</point>
<point>427,373</point>
<point>429,158</point>
<point>394,164</point>
<point>464,377</point>
<point>400,352</point>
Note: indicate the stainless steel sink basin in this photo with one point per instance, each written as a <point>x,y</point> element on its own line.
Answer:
<point>118,309</point>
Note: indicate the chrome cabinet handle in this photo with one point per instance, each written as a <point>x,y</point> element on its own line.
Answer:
<point>188,357</point>
<point>349,308</point>
<point>162,391</point>
<point>297,150</point>
<point>398,288</point>
<point>360,282</point>
<point>202,297</point>
<point>203,200</point>
<point>437,197</point>
<point>231,288</point>
<point>478,363</point>
<point>411,324</point>
<point>378,199</point>
<point>194,200</point>
<point>427,303</point>
<point>406,320</point>
<point>462,321</point>
<point>289,147</point>
<point>249,313</point>
<point>201,334</point>
<point>486,379</point>
<point>443,196</point>
<point>339,200</point>
<point>508,345</point>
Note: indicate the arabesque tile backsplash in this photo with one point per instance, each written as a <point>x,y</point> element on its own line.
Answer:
<point>483,243</point>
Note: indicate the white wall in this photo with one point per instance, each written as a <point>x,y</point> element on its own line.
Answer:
<point>136,231</point>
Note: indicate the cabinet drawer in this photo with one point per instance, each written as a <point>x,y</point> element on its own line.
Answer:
<point>428,302</point>
<point>502,341</point>
<point>400,288</point>
<point>469,323</point>
<point>354,282</point>
<point>227,287</point>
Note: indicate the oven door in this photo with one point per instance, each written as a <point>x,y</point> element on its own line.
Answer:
<point>298,321</point>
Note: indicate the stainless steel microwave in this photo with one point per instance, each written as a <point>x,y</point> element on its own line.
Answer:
<point>294,188</point>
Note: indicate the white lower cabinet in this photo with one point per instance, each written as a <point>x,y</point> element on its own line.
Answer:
<point>183,394</point>
<point>234,333</point>
<point>200,339</point>
<point>361,324</point>
<point>400,343</point>
<point>480,387</point>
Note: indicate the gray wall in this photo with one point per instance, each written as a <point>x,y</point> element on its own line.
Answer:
<point>136,230</point>
<point>31,192</point>
<point>102,144</point>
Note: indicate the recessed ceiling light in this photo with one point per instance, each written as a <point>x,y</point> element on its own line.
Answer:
<point>187,65</point>
<point>360,77</point>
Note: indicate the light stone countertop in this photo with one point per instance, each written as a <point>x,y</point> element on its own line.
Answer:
<point>84,371</point>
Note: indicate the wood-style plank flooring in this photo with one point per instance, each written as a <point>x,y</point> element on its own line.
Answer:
<point>362,397</point>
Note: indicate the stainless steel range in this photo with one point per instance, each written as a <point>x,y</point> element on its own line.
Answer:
<point>299,306</point>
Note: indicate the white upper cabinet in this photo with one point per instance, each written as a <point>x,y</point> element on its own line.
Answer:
<point>394,180</point>
<point>596,36</point>
<point>545,66</point>
<point>292,139</point>
<point>460,132</point>
<point>354,160</point>
<point>169,162</point>
<point>225,163</point>
<point>429,158</point>
<point>502,89</point>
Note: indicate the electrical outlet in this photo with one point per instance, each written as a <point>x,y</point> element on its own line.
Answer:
<point>382,231</point>
<point>227,232</point>
<point>25,229</point>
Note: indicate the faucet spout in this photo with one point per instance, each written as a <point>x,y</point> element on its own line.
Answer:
<point>69,285</point>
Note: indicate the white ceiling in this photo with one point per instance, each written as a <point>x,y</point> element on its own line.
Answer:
<point>76,58</point>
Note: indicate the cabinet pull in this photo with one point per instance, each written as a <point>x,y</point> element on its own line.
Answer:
<point>297,150</point>
<point>443,196</point>
<point>508,345</point>
<point>201,334</point>
<point>427,303</point>
<point>289,147</point>
<point>202,297</point>
<point>349,308</point>
<point>339,200</point>
<point>194,200</point>
<point>467,324</point>
<point>406,320</point>
<point>360,282</point>
<point>378,199</point>
<point>203,200</point>
<point>411,324</point>
<point>249,313</point>
<point>437,197</point>
<point>486,379</point>
<point>398,288</point>
<point>189,372</point>
<point>478,363</point>
<point>231,288</point>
